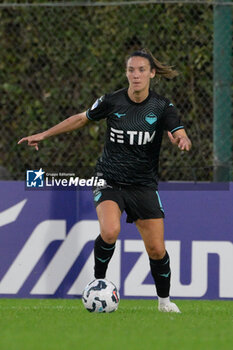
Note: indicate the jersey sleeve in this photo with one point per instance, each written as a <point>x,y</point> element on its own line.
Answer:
<point>99,110</point>
<point>172,120</point>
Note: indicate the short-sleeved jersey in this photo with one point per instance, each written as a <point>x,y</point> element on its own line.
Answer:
<point>134,135</point>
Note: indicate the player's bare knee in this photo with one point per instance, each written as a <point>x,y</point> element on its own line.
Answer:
<point>110,234</point>
<point>156,253</point>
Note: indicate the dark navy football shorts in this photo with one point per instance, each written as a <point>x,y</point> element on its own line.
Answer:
<point>139,202</point>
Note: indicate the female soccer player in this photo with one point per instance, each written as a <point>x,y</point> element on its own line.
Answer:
<point>136,118</point>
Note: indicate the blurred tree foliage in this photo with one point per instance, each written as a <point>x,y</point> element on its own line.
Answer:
<point>54,62</point>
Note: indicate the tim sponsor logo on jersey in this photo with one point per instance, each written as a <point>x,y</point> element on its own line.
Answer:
<point>134,137</point>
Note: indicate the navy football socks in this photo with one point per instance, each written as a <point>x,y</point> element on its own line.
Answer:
<point>103,253</point>
<point>160,270</point>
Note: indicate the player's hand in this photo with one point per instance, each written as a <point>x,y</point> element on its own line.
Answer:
<point>182,142</point>
<point>32,140</point>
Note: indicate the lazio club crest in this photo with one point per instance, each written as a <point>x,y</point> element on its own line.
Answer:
<point>151,118</point>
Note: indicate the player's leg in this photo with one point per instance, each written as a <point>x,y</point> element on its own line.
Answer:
<point>109,215</point>
<point>152,232</point>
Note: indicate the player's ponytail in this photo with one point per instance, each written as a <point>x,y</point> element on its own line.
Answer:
<point>162,70</point>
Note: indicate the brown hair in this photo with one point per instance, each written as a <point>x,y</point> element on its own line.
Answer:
<point>162,70</point>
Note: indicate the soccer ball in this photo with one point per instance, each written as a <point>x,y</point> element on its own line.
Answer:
<point>101,295</point>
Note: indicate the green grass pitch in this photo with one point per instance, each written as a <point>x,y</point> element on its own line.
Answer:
<point>65,324</point>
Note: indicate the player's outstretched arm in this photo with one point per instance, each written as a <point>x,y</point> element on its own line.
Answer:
<point>180,139</point>
<point>75,122</point>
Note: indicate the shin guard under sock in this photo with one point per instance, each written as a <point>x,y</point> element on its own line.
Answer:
<point>103,253</point>
<point>160,270</point>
